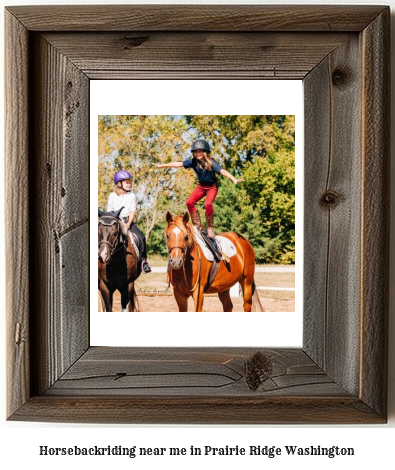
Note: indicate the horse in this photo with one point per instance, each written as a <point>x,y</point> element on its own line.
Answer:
<point>189,269</point>
<point>118,265</point>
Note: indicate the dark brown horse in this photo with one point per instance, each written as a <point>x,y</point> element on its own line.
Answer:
<point>118,264</point>
<point>189,269</point>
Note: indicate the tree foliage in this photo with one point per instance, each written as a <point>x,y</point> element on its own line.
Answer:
<point>134,143</point>
<point>258,148</point>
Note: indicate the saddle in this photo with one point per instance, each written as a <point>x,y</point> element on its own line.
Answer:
<point>212,245</point>
<point>137,242</point>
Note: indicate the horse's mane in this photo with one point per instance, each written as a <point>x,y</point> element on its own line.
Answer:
<point>177,220</point>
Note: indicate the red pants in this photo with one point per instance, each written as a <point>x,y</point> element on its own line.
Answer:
<point>210,191</point>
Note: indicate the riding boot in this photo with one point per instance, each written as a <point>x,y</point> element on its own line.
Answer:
<point>195,216</point>
<point>145,267</point>
<point>210,225</point>
<point>142,248</point>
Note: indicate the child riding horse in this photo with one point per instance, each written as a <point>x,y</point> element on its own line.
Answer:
<point>189,268</point>
<point>123,197</point>
<point>206,169</point>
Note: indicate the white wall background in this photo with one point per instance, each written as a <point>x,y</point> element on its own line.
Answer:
<point>19,442</point>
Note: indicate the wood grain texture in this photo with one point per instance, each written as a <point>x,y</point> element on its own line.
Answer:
<point>339,376</point>
<point>17,210</point>
<point>317,114</point>
<point>198,410</point>
<point>192,55</point>
<point>210,372</point>
<point>333,208</point>
<point>61,206</point>
<point>376,211</point>
<point>196,17</point>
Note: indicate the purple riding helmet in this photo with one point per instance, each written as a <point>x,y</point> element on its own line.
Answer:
<point>121,175</point>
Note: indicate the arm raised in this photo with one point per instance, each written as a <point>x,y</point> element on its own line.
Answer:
<point>229,176</point>
<point>169,165</point>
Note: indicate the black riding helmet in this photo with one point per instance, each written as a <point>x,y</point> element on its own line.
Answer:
<point>201,144</point>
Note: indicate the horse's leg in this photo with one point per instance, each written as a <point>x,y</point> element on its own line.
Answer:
<point>101,302</point>
<point>246,287</point>
<point>124,298</point>
<point>198,297</point>
<point>226,301</point>
<point>181,300</point>
<point>133,304</point>
<point>107,296</point>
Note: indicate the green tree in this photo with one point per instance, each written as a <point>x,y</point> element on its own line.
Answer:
<point>268,196</point>
<point>239,139</point>
<point>261,150</point>
<point>258,148</point>
<point>134,143</point>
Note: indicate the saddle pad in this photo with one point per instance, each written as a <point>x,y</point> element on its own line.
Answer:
<point>131,236</point>
<point>226,246</point>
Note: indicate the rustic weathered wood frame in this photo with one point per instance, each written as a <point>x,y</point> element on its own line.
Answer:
<point>340,374</point>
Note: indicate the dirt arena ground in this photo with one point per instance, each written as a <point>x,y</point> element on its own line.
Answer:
<point>211,304</point>
<point>163,301</point>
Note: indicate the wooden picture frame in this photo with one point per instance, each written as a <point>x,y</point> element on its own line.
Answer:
<point>340,373</point>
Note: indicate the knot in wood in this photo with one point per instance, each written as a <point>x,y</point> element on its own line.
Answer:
<point>133,42</point>
<point>330,198</point>
<point>18,334</point>
<point>259,369</point>
<point>339,77</point>
<point>120,375</point>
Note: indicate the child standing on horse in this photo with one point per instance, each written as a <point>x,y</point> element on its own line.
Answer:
<point>123,197</point>
<point>206,169</point>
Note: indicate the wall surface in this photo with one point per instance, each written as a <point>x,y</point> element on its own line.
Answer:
<point>20,442</point>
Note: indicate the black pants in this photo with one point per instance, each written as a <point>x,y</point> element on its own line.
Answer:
<point>133,228</point>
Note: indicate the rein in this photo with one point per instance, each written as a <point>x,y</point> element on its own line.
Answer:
<point>184,254</point>
<point>117,245</point>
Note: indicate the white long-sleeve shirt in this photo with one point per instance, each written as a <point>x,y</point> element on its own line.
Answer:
<point>127,200</point>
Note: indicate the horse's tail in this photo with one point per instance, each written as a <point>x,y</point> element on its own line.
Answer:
<point>256,301</point>
<point>133,301</point>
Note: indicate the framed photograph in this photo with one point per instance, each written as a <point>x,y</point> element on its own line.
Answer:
<point>266,151</point>
<point>338,375</point>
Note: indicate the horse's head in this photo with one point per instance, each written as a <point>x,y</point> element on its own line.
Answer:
<point>110,232</point>
<point>179,237</point>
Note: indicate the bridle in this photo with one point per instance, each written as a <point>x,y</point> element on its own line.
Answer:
<point>182,248</point>
<point>108,221</point>
<point>184,254</point>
